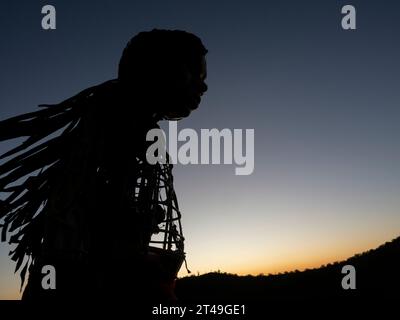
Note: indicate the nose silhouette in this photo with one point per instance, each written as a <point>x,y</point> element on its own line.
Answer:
<point>203,88</point>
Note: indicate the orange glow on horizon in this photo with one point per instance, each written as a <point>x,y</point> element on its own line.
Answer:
<point>301,262</point>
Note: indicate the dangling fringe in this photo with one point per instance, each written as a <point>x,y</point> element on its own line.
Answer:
<point>24,210</point>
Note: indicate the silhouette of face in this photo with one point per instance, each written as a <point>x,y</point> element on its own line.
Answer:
<point>185,89</point>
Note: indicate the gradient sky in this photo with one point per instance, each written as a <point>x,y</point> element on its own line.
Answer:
<point>323,103</point>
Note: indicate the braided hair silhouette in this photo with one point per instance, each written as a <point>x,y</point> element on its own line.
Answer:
<point>80,195</point>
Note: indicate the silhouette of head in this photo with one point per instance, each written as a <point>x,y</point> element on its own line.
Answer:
<point>167,70</point>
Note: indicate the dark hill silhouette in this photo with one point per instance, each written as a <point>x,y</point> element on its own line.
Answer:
<point>377,276</point>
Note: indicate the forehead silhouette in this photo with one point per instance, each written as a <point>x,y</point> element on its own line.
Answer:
<point>157,50</point>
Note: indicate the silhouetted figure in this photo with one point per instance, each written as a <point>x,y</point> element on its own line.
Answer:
<point>92,203</point>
